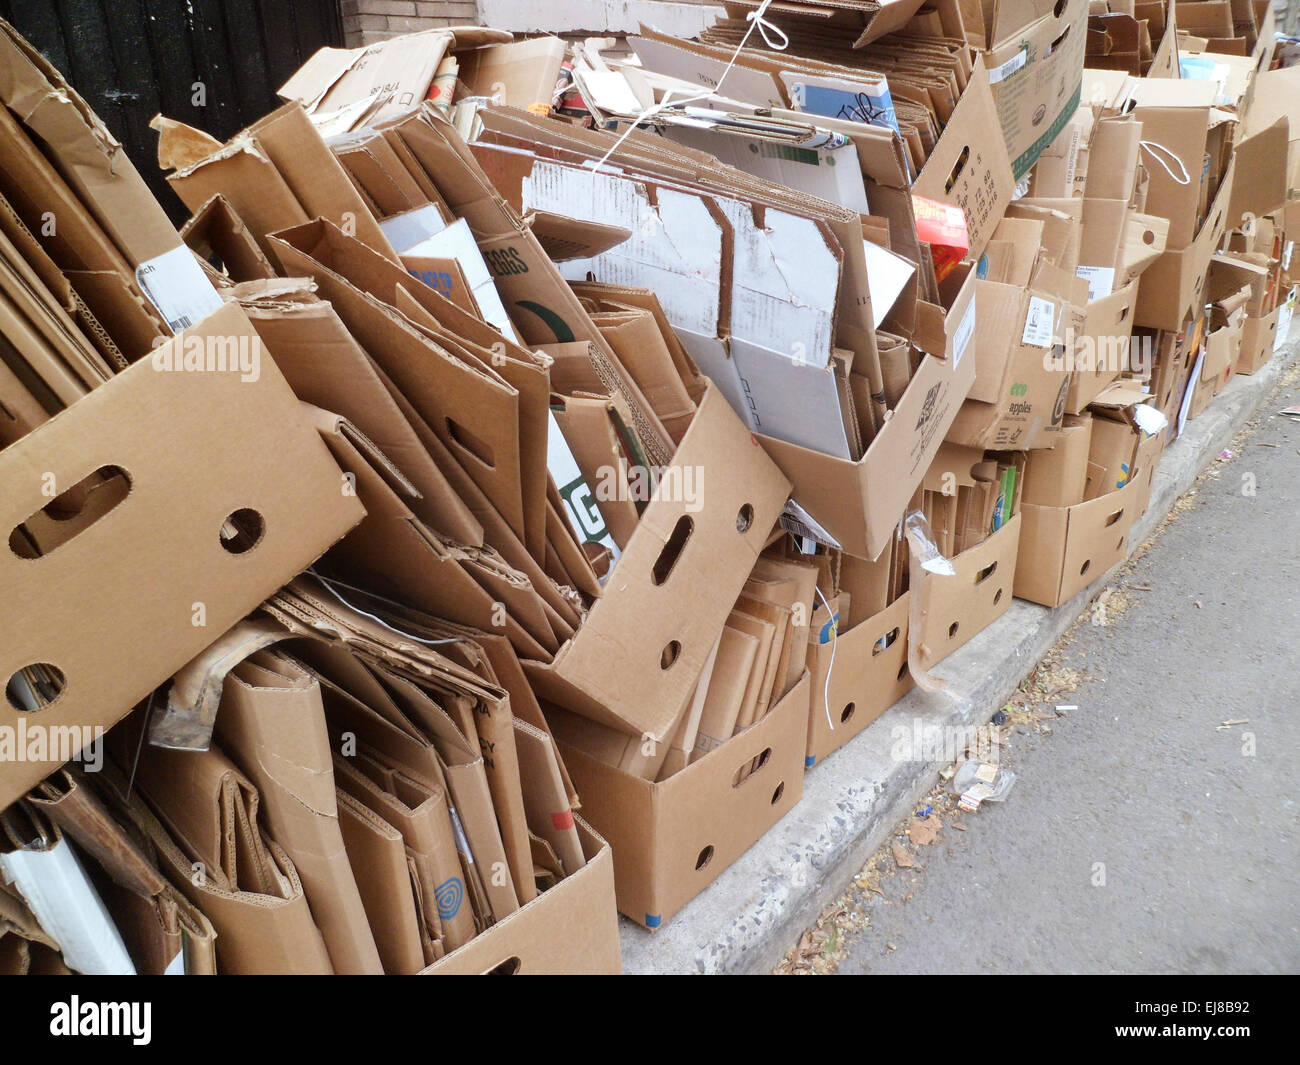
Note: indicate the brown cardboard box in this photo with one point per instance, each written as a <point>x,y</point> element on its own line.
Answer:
<point>1218,364</point>
<point>276,174</point>
<point>672,839</point>
<point>1035,60</point>
<point>965,168</point>
<point>1102,348</point>
<point>346,87</point>
<point>1173,286</point>
<point>521,73</point>
<point>1258,341</point>
<point>867,676</point>
<point>1054,477</point>
<point>141,260</point>
<point>1187,157</point>
<point>569,929</point>
<point>634,662</point>
<point>956,608</point>
<point>860,503</point>
<point>118,605</point>
<point>1026,308</point>
<point>1063,549</point>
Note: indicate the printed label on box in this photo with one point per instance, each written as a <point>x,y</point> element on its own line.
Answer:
<point>1101,280</point>
<point>1004,70</point>
<point>1038,323</point>
<point>177,286</point>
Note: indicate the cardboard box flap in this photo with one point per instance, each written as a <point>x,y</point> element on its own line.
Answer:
<point>398,70</point>
<point>268,504</point>
<point>564,238</point>
<point>860,503</point>
<point>1145,237</point>
<point>1260,187</point>
<point>634,662</point>
<point>1277,95</point>
<point>971,169</point>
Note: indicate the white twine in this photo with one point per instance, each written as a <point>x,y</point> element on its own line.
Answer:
<point>330,586</point>
<point>756,21</point>
<point>1151,147</point>
<point>830,666</point>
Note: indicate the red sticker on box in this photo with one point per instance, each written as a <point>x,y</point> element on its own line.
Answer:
<point>562,820</point>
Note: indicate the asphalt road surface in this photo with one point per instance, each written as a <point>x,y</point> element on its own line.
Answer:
<point>1140,835</point>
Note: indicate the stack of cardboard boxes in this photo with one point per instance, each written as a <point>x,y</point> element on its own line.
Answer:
<point>529,460</point>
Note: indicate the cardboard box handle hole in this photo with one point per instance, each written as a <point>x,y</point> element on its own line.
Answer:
<point>902,670</point>
<point>70,513</point>
<point>705,857</point>
<point>885,641</point>
<point>952,629</point>
<point>35,687</point>
<point>1057,43</point>
<point>669,654</point>
<point>744,518</point>
<point>1059,8</point>
<point>986,572</point>
<point>958,167</point>
<point>997,598</point>
<point>847,712</point>
<point>1114,517</point>
<point>749,767</point>
<point>509,967</point>
<point>242,531</point>
<point>1084,568</point>
<point>672,549</point>
<point>776,795</point>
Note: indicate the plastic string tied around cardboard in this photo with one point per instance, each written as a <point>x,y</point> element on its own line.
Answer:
<point>771,35</point>
<point>1151,148</point>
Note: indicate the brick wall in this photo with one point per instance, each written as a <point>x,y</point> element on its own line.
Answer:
<point>367,21</point>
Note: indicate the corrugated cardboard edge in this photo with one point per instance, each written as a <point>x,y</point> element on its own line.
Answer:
<point>570,929</point>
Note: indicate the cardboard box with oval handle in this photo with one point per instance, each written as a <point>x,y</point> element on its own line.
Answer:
<point>136,592</point>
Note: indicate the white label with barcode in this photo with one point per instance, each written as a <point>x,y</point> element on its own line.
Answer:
<point>1004,70</point>
<point>1101,280</point>
<point>178,287</point>
<point>1039,322</point>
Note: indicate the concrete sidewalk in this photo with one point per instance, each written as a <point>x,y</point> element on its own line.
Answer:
<point>1143,835</point>
<point>755,911</point>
